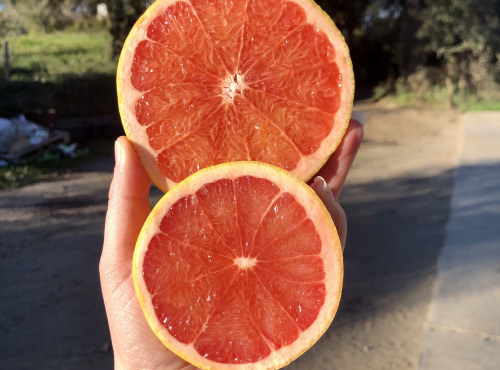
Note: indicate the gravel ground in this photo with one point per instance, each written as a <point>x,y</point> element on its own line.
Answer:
<point>397,199</point>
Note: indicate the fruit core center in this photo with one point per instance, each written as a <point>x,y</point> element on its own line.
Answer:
<point>231,86</point>
<point>245,262</point>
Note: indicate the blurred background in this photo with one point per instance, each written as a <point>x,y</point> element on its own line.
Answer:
<point>59,57</point>
<point>422,198</point>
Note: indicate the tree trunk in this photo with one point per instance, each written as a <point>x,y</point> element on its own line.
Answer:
<point>411,52</point>
<point>7,62</point>
<point>449,85</point>
<point>464,82</point>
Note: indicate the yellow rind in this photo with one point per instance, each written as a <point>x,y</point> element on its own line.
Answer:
<point>305,4</point>
<point>192,183</point>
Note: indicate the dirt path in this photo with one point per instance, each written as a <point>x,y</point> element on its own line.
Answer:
<point>397,200</point>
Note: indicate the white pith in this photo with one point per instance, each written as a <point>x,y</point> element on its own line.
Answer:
<point>232,86</point>
<point>245,263</point>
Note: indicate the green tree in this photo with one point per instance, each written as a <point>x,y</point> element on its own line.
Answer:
<point>123,15</point>
<point>381,41</point>
<point>371,29</point>
<point>41,16</point>
<point>465,36</point>
<point>10,21</point>
<point>411,48</point>
<point>348,15</point>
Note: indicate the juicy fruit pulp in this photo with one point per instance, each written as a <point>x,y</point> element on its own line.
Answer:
<point>230,274</point>
<point>224,81</point>
<point>236,268</point>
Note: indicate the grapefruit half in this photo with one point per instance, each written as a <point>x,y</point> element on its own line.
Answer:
<point>206,82</point>
<point>239,267</point>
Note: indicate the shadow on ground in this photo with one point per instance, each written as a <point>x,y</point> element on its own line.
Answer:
<point>396,231</point>
<point>52,315</point>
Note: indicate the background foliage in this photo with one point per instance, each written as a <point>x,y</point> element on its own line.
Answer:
<point>419,50</point>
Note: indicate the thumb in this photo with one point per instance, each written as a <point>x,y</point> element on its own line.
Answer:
<point>128,208</point>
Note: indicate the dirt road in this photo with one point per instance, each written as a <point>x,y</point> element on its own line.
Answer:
<point>397,200</point>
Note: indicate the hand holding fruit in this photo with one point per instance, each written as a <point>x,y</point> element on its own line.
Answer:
<point>135,345</point>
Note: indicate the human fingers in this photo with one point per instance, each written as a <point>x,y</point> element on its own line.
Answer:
<point>128,208</point>
<point>336,211</point>
<point>338,165</point>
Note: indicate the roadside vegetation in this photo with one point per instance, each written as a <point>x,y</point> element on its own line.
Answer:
<point>50,57</point>
<point>53,164</point>
<point>67,71</point>
<point>439,53</point>
<point>61,55</point>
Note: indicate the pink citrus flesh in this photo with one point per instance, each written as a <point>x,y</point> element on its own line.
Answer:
<point>202,83</point>
<point>239,266</point>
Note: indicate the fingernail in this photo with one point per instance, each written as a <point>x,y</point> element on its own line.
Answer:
<point>359,116</point>
<point>324,186</point>
<point>118,153</point>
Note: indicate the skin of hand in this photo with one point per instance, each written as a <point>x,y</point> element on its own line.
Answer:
<point>135,346</point>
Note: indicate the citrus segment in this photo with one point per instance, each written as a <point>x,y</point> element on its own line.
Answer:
<point>301,300</point>
<point>185,308</point>
<point>258,129</point>
<point>253,198</point>
<point>294,120</point>
<point>284,214</point>
<point>202,83</point>
<point>185,223</point>
<point>240,264</point>
<point>216,201</point>
<point>223,23</point>
<point>230,336</point>
<point>299,269</point>
<point>302,240</point>
<point>179,31</point>
<point>274,323</point>
<point>279,17</point>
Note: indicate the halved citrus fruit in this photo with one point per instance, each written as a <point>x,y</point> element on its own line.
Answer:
<point>239,267</point>
<point>207,82</point>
